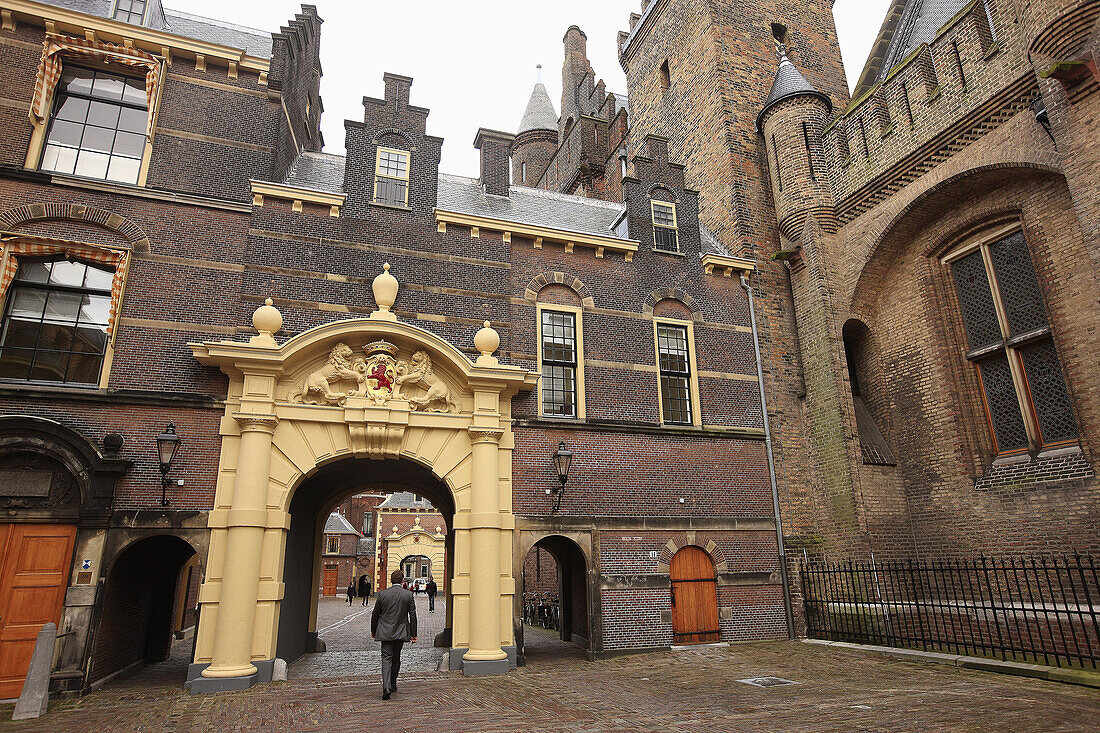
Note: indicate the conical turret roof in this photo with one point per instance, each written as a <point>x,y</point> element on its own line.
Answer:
<point>788,83</point>
<point>540,114</point>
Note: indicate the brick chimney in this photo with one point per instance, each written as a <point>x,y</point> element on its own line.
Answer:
<point>495,147</point>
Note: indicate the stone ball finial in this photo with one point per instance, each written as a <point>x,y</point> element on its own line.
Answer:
<point>385,294</point>
<point>267,320</point>
<point>486,341</point>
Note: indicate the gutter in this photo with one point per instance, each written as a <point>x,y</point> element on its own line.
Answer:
<point>771,463</point>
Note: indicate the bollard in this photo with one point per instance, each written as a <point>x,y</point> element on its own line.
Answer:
<point>36,687</point>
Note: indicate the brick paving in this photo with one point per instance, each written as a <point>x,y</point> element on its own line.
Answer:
<point>672,692</point>
<point>350,652</point>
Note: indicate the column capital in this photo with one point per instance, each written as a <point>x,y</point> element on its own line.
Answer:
<point>256,423</point>
<point>485,435</point>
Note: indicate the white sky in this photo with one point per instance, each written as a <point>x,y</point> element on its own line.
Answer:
<point>473,64</point>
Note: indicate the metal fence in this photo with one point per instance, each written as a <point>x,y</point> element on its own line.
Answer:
<point>1044,610</point>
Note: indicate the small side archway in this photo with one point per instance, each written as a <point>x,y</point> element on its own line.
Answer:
<point>139,607</point>
<point>565,592</point>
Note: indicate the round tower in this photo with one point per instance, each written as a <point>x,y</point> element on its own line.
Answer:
<point>536,138</point>
<point>792,122</point>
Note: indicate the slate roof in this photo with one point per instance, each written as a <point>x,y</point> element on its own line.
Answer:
<point>405,500</point>
<point>319,171</point>
<point>461,195</point>
<point>531,206</point>
<point>918,23</point>
<point>540,114</point>
<point>252,41</point>
<point>788,83</point>
<point>337,524</point>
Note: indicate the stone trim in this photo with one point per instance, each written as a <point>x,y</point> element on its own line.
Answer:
<point>1057,465</point>
<point>20,215</point>
<point>691,537</point>
<point>531,294</point>
<point>657,296</point>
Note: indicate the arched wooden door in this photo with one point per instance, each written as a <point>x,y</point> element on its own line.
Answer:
<point>694,597</point>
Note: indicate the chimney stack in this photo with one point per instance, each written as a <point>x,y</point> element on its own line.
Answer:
<point>495,148</point>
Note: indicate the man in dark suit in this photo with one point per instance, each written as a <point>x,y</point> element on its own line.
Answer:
<point>393,622</point>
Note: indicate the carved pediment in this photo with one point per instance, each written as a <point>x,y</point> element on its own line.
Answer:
<point>379,371</point>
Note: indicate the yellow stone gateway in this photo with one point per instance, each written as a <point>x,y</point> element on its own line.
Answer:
<point>302,428</point>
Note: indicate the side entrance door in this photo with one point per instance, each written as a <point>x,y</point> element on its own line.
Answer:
<point>694,597</point>
<point>328,587</point>
<point>34,572</point>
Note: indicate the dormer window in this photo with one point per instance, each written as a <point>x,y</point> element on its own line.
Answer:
<point>129,11</point>
<point>665,237</point>
<point>391,177</point>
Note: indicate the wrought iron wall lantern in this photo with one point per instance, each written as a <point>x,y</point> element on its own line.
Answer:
<point>168,444</point>
<point>562,459</point>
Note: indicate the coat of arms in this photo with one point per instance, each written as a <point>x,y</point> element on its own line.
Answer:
<point>379,371</point>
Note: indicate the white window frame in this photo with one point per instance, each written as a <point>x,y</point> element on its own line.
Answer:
<point>675,228</point>
<point>379,175</point>
<point>693,377</point>
<point>578,328</point>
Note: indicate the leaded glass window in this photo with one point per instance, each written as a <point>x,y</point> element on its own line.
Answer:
<point>665,235</point>
<point>129,11</point>
<point>97,129</point>
<point>674,365</point>
<point>559,363</point>
<point>1009,342</point>
<point>55,322</point>
<point>391,177</point>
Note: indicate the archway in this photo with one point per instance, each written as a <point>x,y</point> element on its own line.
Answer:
<point>694,582</point>
<point>310,407</point>
<point>555,592</point>
<point>140,600</point>
<point>313,500</point>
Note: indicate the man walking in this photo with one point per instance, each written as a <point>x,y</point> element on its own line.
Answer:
<point>393,622</point>
<point>364,588</point>
<point>431,588</point>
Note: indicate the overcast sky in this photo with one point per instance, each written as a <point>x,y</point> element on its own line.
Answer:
<point>473,63</point>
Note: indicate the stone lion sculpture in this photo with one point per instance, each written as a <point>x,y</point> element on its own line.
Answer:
<point>419,372</point>
<point>339,368</point>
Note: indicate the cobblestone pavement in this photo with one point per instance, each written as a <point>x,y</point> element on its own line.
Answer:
<point>350,652</point>
<point>672,692</point>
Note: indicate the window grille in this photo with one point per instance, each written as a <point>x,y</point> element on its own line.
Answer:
<point>1010,343</point>
<point>391,177</point>
<point>56,322</point>
<point>665,233</point>
<point>332,545</point>
<point>559,364</point>
<point>97,129</point>
<point>674,364</point>
<point>129,11</point>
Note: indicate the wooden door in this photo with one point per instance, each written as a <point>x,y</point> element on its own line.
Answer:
<point>694,597</point>
<point>328,587</point>
<point>34,572</point>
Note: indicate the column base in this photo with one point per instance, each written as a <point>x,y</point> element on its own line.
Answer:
<point>196,684</point>
<point>482,666</point>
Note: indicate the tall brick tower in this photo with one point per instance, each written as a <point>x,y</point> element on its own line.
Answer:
<point>536,138</point>
<point>699,73</point>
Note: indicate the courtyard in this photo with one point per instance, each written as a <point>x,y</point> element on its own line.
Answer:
<point>694,690</point>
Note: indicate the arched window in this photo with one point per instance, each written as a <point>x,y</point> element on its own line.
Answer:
<point>1010,344</point>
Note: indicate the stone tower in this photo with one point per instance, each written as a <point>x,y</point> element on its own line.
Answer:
<point>536,138</point>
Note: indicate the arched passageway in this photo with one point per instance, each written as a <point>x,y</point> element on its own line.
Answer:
<point>140,606</point>
<point>312,502</point>
<point>555,591</point>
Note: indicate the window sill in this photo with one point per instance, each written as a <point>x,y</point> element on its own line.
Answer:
<point>643,428</point>
<point>669,252</point>
<point>395,207</point>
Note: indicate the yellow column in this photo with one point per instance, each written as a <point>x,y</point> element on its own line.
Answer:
<point>485,549</point>
<point>232,654</point>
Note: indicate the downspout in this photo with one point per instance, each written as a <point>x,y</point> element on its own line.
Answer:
<point>771,462</point>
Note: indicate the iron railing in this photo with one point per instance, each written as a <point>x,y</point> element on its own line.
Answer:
<point>1044,610</point>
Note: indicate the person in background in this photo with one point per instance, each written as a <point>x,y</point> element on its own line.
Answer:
<point>393,622</point>
<point>351,592</point>
<point>364,588</point>
<point>431,588</point>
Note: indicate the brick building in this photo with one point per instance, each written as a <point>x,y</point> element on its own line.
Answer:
<point>181,252</point>
<point>339,551</point>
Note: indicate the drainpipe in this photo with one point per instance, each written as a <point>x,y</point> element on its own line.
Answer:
<point>771,462</point>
